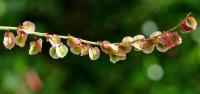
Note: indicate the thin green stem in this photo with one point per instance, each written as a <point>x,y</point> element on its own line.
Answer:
<point>45,35</point>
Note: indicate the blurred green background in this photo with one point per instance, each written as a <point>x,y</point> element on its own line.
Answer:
<point>173,72</point>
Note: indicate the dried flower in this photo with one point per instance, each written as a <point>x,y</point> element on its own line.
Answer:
<point>35,47</point>
<point>94,53</point>
<point>109,48</point>
<point>189,24</point>
<point>61,50</point>
<point>9,40</point>
<point>28,27</point>
<point>21,38</point>
<point>73,42</point>
<point>54,40</point>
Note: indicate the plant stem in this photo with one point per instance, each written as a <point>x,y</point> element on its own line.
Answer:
<point>45,35</point>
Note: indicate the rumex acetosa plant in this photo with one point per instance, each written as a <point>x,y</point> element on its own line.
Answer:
<point>163,41</point>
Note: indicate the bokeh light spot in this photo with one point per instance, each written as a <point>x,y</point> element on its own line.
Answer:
<point>155,72</point>
<point>149,27</point>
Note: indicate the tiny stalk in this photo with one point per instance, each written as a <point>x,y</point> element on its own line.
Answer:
<point>163,41</point>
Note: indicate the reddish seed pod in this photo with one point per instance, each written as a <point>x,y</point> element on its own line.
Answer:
<point>189,24</point>
<point>9,40</point>
<point>28,27</point>
<point>21,38</point>
<point>35,47</point>
<point>167,41</point>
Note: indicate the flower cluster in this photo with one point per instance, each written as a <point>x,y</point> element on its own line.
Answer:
<point>163,41</point>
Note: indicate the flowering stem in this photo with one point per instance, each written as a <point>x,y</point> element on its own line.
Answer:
<point>45,35</point>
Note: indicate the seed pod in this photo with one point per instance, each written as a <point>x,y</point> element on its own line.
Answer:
<point>76,50</point>
<point>148,45</point>
<point>94,53</point>
<point>21,39</point>
<point>61,50</point>
<point>28,27</point>
<point>73,42</point>
<point>138,37</point>
<point>124,48</point>
<point>155,34</point>
<point>189,24</point>
<point>114,58</point>
<point>167,41</point>
<point>35,47</point>
<point>127,40</point>
<point>109,48</point>
<point>9,40</point>
<point>52,52</point>
<point>54,40</point>
<point>85,50</point>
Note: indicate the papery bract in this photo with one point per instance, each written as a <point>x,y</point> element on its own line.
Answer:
<point>189,24</point>
<point>52,52</point>
<point>21,38</point>
<point>109,48</point>
<point>114,58</point>
<point>148,45</point>
<point>127,40</point>
<point>168,40</point>
<point>85,50</point>
<point>61,50</point>
<point>28,27</point>
<point>9,40</point>
<point>35,47</point>
<point>54,40</point>
<point>76,49</point>
<point>94,53</point>
<point>73,42</point>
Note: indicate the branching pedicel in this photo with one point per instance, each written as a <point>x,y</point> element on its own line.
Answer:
<point>163,41</point>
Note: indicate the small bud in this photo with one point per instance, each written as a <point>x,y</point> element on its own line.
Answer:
<point>28,27</point>
<point>115,58</point>
<point>35,47</point>
<point>127,40</point>
<point>61,50</point>
<point>85,50</point>
<point>21,38</point>
<point>138,37</point>
<point>109,48</point>
<point>76,50</point>
<point>73,42</point>
<point>9,40</point>
<point>94,53</point>
<point>52,52</point>
<point>189,24</point>
<point>54,40</point>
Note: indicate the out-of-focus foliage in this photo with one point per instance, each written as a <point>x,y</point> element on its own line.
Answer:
<point>173,72</point>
